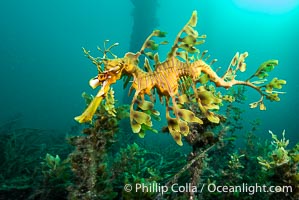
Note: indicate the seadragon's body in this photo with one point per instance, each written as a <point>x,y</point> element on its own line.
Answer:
<point>173,79</point>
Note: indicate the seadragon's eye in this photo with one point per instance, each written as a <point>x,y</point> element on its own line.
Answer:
<point>102,77</point>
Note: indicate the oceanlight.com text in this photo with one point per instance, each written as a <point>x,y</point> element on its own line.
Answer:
<point>188,187</point>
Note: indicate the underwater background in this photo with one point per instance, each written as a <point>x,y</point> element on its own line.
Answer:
<point>44,71</point>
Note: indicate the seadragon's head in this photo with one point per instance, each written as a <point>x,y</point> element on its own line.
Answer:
<point>109,71</point>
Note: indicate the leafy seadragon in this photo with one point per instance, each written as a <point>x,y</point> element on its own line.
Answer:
<point>173,79</point>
